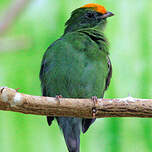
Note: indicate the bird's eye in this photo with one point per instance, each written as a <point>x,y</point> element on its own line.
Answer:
<point>90,15</point>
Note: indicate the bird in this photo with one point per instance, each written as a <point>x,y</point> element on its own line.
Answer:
<point>77,65</point>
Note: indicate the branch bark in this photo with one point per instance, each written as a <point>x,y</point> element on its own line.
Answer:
<point>11,100</point>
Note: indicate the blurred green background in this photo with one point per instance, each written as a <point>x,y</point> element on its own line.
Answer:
<point>22,46</point>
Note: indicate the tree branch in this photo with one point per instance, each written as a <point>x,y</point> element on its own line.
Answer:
<point>11,100</point>
<point>11,14</point>
<point>9,44</point>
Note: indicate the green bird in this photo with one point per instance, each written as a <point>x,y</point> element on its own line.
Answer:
<point>77,65</point>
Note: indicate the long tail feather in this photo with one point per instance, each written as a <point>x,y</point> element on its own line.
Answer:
<point>71,131</point>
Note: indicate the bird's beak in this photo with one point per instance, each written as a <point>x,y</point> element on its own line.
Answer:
<point>108,14</point>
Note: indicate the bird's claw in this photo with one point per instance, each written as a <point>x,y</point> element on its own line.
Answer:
<point>17,89</point>
<point>95,101</point>
<point>58,98</point>
<point>94,112</point>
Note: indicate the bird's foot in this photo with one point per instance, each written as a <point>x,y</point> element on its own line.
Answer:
<point>17,89</point>
<point>58,98</point>
<point>95,101</point>
<point>94,112</point>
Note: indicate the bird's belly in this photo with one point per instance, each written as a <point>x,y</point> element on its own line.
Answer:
<point>75,76</point>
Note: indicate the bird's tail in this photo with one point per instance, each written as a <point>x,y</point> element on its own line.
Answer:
<point>73,143</point>
<point>71,131</point>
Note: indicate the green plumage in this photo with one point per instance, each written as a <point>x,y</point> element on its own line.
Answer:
<point>77,66</point>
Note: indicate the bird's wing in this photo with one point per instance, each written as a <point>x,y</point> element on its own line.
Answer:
<point>87,122</point>
<point>44,90</point>
<point>109,74</point>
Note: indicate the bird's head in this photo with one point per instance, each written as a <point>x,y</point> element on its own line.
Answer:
<point>88,16</point>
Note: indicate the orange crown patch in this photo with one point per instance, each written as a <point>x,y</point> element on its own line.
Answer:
<point>98,8</point>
